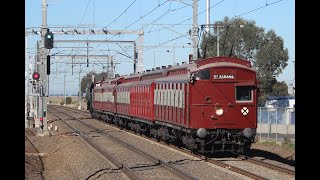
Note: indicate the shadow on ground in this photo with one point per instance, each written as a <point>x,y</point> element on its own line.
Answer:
<point>257,153</point>
<point>269,155</point>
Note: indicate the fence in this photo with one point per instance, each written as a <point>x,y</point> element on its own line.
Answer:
<point>276,124</point>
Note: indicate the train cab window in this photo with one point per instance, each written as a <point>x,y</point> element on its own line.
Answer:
<point>203,75</point>
<point>244,93</point>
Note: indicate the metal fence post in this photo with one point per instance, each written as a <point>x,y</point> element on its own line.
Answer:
<point>260,120</point>
<point>287,121</point>
<point>269,124</point>
<point>276,124</point>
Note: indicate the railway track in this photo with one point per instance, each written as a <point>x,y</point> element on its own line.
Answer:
<point>268,165</point>
<point>126,169</point>
<point>225,165</point>
<point>41,170</point>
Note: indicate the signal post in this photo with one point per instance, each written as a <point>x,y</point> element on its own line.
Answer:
<point>42,66</point>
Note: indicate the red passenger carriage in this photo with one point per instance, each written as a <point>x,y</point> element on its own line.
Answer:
<point>208,105</point>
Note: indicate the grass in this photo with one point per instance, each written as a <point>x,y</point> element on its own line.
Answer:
<point>286,144</point>
<point>289,146</point>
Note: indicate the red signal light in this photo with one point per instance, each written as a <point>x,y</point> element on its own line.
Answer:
<point>35,76</point>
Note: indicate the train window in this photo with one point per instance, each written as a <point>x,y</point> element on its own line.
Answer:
<point>203,75</point>
<point>244,93</point>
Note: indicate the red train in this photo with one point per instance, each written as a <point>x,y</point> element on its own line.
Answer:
<point>209,105</point>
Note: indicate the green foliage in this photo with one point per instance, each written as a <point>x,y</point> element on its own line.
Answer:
<point>266,83</point>
<point>243,39</point>
<point>262,99</point>
<point>287,144</point>
<point>279,89</point>
<point>87,80</point>
<point>271,143</point>
<point>68,100</point>
<point>235,40</point>
<point>290,146</point>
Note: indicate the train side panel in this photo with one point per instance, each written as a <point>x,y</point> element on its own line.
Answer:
<point>97,98</point>
<point>141,101</point>
<point>108,99</point>
<point>171,101</point>
<point>123,100</point>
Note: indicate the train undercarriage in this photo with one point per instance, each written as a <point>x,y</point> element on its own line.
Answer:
<point>198,140</point>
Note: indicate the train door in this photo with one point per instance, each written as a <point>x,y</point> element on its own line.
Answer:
<point>224,104</point>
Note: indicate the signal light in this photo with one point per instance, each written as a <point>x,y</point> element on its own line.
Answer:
<point>35,76</point>
<point>48,40</point>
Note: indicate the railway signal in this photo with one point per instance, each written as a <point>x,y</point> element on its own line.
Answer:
<point>48,40</point>
<point>35,76</point>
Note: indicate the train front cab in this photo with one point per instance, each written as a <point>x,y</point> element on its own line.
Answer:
<point>223,107</point>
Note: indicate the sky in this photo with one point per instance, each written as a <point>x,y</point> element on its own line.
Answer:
<point>165,24</point>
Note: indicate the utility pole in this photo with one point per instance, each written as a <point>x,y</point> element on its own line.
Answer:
<point>154,59</point>
<point>195,31</point>
<point>64,85</point>
<point>173,55</point>
<point>218,41</point>
<point>42,113</point>
<point>26,80</point>
<point>79,96</point>
<point>208,16</point>
<point>294,78</point>
<point>218,38</point>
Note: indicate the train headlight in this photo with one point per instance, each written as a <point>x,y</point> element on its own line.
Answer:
<point>202,132</point>
<point>219,112</point>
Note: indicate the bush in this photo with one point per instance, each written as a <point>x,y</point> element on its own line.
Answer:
<point>68,100</point>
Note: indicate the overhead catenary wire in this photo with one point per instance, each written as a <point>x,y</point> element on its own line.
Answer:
<point>190,17</point>
<point>121,14</point>
<point>236,16</point>
<point>84,13</point>
<point>216,4</point>
<point>159,5</point>
<point>226,25</point>
<point>267,4</point>
<point>247,12</point>
<point>183,22</point>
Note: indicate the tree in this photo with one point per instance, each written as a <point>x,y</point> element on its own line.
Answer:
<point>271,59</point>
<point>86,81</point>
<point>238,38</point>
<point>243,39</point>
<point>280,89</point>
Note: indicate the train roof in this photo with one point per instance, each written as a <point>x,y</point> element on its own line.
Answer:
<point>132,76</point>
<point>176,78</point>
<point>149,76</point>
<point>201,62</point>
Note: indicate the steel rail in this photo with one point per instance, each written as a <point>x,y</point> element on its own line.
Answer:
<point>153,159</point>
<point>38,153</point>
<point>268,165</point>
<point>120,166</point>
